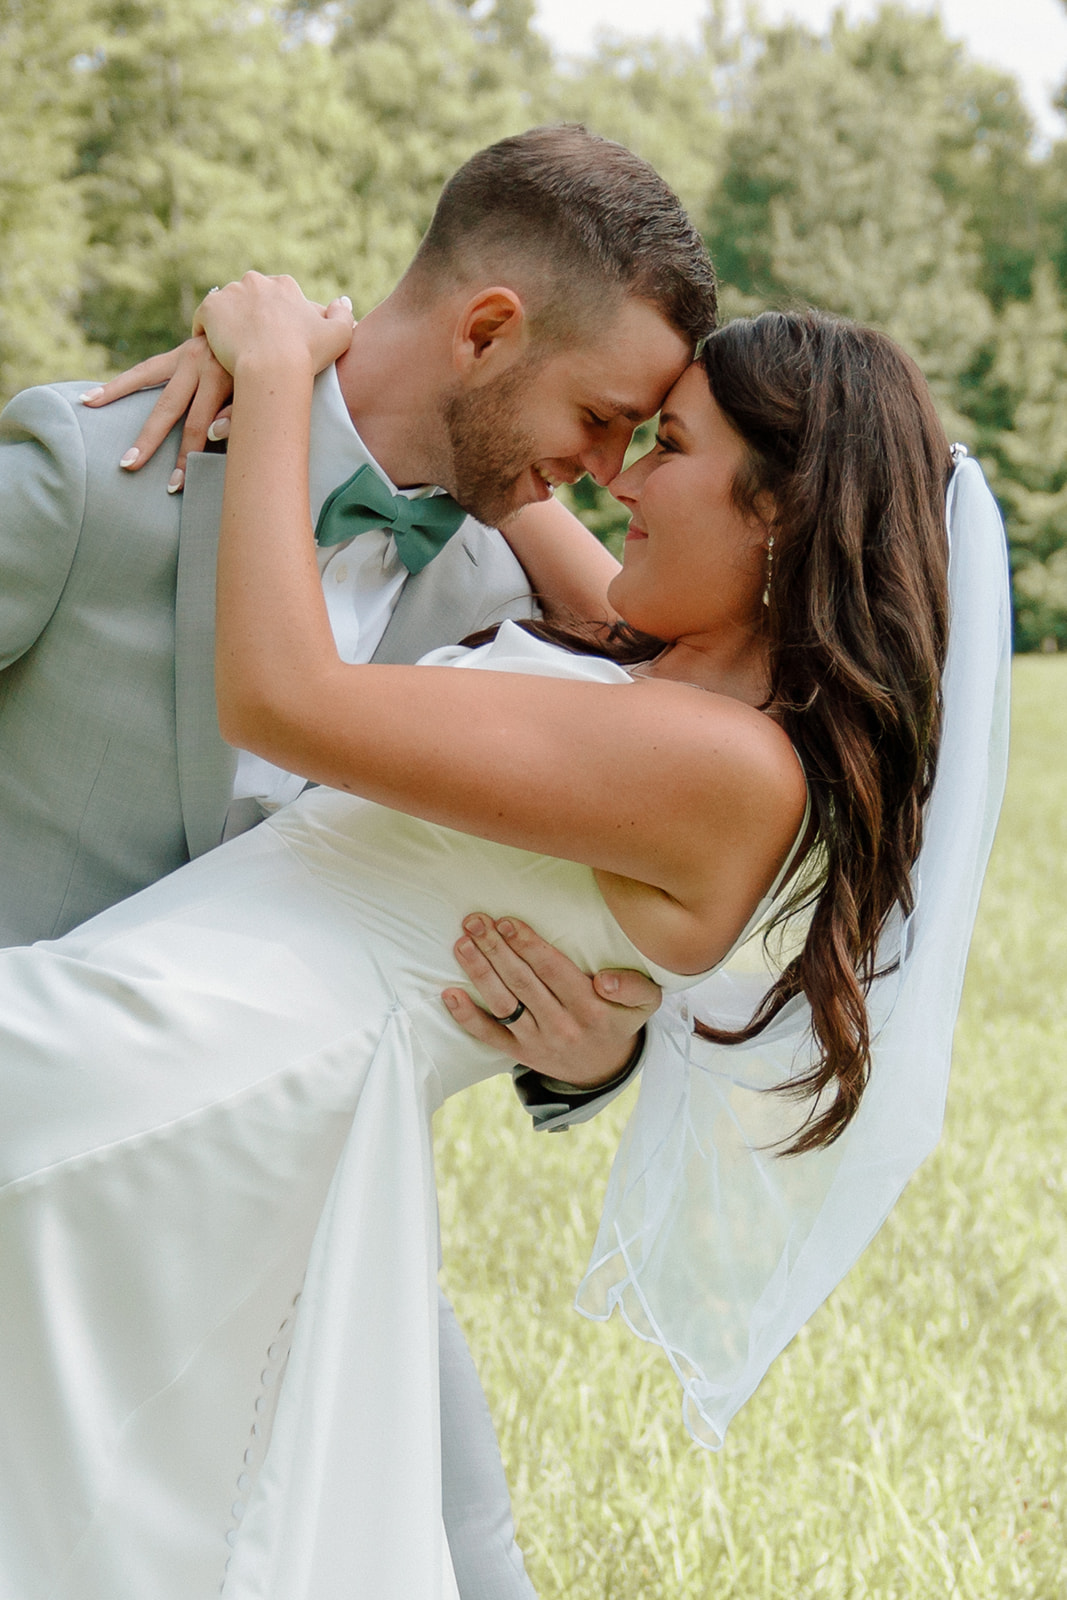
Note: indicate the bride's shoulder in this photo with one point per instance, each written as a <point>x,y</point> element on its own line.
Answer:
<point>738,754</point>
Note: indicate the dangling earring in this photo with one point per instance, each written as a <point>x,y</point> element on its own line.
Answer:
<point>770,569</point>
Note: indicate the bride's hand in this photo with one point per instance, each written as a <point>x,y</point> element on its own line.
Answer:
<point>195,386</point>
<point>262,317</point>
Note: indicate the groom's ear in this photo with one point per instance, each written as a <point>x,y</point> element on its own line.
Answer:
<point>491,333</point>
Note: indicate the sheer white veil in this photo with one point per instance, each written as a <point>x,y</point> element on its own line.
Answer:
<point>710,1244</point>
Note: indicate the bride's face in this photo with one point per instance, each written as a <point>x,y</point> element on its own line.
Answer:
<point>693,563</point>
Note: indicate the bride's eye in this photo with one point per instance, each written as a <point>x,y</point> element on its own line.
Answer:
<point>663,443</point>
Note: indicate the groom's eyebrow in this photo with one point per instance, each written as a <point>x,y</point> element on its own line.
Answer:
<point>617,408</point>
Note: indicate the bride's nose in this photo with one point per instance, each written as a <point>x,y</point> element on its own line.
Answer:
<point>625,486</point>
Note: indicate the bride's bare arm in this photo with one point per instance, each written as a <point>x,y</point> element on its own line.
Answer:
<point>682,801</point>
<point>568,567</point>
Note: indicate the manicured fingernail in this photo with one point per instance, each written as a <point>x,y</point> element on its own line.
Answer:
<point>608,983</point>
<point>130,457</point>
<point>475,925</point>
<point>451,1001</point>
<point>345,301</point>
<point>506,928</point>
<point>175,481</point>
<point>219,429</point>
<point>91,394</point>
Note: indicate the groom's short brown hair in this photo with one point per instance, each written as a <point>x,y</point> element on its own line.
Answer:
<point>585,221</point>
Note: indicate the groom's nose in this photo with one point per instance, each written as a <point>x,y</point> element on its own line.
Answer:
<point>603,461</point>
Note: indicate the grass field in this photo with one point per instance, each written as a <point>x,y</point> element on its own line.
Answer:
<point>912,1442</point>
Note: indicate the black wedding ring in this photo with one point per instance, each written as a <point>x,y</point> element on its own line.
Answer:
<point>512,1016</point>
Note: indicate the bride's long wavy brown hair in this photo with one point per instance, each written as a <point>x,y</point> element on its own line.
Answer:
<point>841,432</point>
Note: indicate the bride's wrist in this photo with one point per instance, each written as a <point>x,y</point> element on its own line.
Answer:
<point>280,363</point>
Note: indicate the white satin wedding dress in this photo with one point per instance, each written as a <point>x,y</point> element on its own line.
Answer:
<point>218,1227</point>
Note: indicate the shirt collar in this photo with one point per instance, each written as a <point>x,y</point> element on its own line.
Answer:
<point>337,449</point>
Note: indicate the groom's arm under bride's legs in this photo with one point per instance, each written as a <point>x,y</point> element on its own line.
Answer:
<point>477,1506</point>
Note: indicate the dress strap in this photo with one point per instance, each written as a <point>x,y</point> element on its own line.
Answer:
<point>794,849</point>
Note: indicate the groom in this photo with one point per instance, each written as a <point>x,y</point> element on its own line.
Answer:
<point>559,291</point>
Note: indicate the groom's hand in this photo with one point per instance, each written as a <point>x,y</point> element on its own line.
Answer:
<point>575,1029</point>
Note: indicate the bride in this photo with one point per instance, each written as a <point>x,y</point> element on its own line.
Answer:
<point>218,1232</point>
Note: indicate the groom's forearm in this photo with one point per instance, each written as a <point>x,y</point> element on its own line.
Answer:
<point>554,1105</point>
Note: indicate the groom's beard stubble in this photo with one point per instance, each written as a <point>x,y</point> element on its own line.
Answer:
<point>490,452</point>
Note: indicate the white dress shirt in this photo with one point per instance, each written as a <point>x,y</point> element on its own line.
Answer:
<point>361,578</point>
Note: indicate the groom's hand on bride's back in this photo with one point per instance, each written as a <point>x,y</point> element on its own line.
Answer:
<point>575,1029</point>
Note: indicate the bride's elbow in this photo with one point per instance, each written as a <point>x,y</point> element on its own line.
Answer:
<point>250,719</point>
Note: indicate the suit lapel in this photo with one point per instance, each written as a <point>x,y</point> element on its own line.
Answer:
<point>473,582</point>
<point>206,764</point>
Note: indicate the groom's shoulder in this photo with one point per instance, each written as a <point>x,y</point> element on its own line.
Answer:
<point>59,467</point>
<point>42,455</point>
<point>45,409</point>
<point>52,415</point>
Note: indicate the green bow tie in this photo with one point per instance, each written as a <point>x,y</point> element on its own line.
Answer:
<point>420,527</point>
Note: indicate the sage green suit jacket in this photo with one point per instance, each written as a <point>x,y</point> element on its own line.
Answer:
<point>112,769</point>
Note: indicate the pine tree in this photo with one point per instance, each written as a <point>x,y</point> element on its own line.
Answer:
<point>431,81</point>
<point>662,99</point>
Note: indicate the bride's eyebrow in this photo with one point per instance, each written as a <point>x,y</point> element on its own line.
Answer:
<point>671,419</point>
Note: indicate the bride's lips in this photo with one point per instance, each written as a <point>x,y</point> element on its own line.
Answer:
<point>634,531</point>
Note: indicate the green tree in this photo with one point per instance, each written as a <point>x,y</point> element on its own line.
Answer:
<point>661,99</point>
<point>427,83</point>
<point>987,166</point>
<point>837,189</point>
<point>1029,456</point>
<point>207,146</point>
<point>42,228</point>
<point>1053,180</point>
<point>221,135</point>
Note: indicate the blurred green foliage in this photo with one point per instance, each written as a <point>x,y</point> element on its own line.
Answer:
<point>151,148</point>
